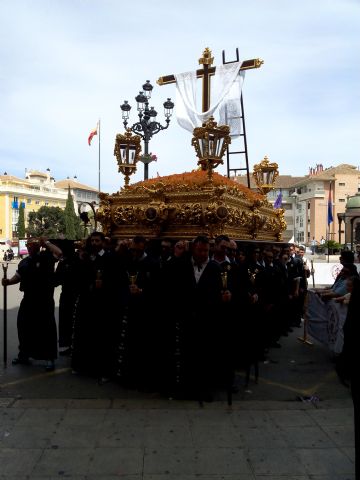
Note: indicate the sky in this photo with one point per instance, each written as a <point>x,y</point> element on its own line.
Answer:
<point>64,64</point>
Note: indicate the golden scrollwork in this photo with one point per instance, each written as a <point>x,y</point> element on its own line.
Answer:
<point>188,213</point>
<point>125,215</point>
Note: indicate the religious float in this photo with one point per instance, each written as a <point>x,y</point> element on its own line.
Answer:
<point>201,202</point>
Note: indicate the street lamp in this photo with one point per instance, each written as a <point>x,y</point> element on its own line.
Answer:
<point>147,126</point>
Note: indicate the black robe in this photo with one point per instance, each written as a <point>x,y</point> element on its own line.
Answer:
<point>97,317</point>
<point>36,319</point>
<point>196,328</point>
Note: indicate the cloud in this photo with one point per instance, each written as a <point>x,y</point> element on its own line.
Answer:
<point>67,63</point>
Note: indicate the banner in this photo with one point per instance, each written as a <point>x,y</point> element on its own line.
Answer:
<point>326,321</point>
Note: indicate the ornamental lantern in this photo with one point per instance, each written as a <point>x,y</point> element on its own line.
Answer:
<point>210,142</point>
<point>265,174</point>
<point>127,150</point>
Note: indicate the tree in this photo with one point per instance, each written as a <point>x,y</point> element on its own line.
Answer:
<point>332,246</point>
<point>47,221</point>
<point>72,221</point>
<point>21,222</point>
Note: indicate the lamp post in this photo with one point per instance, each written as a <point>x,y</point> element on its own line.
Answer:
<point>294,195</point>
<point>147,126</point>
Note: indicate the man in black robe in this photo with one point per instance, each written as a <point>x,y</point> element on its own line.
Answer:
<point>98,311</point>
<point>195,295</point>
<point>36,319</point>
<point>138,359</point>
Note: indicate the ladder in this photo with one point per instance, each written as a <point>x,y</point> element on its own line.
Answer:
<point>243,151</point>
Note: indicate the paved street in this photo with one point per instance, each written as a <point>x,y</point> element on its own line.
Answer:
<point>296,424</point>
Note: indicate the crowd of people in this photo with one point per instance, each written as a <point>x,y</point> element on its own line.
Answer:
<point>173,316</point>
<point>176,317</point>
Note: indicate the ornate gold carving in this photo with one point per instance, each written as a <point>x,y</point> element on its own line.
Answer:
<point>210,142</point>
<point>185,205</point>
<point>258,62</point>
<point>127,149</point>
<point>265,174</point>
<point>206,59</point>
<point>190,213</point>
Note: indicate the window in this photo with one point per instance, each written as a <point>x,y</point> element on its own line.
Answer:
<point>29,200</point>
<point>46,204</point>
<point>341,184</point>
<point>341,199</point>
<point>37,202</point>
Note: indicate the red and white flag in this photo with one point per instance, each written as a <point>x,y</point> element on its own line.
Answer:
<point>92,133</point>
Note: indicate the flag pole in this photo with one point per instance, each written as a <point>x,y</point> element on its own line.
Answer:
<point>329,205</point>
<point>99,154</point>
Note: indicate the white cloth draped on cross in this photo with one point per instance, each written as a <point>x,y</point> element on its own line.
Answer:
<point>226,87</point>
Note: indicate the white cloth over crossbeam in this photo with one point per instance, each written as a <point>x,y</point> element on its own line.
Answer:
<point>225,98</point>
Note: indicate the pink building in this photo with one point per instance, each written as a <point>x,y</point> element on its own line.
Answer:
<point>311,196</point>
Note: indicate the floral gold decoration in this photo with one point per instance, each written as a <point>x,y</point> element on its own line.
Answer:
<point>182,206</point>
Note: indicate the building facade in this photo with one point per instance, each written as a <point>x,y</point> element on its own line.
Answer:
<point>36,190</point>
<point>312,194</point>
<point>305,201</point>
<point>284,187</point>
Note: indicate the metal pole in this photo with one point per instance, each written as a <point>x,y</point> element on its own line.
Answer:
<point>5,267</point>
<point>295,219</point>
<point>99,155</point>
<point>146,165</point>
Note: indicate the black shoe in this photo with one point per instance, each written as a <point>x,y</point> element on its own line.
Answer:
<point>21,361</point>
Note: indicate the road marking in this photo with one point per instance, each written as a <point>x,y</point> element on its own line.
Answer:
<point>329,376</point>
<point>36,377</point>
<point>304,392</point>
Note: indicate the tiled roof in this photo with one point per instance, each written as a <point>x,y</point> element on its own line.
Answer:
<point>69,182</point>
<point>36,173</point>
<point>282,181</point>
<point>330,173</point>
<point>12,178</point>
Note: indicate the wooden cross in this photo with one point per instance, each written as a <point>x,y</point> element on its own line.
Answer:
<point>207,72</point>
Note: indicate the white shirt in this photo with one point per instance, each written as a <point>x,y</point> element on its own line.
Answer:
<point>198,269</point>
